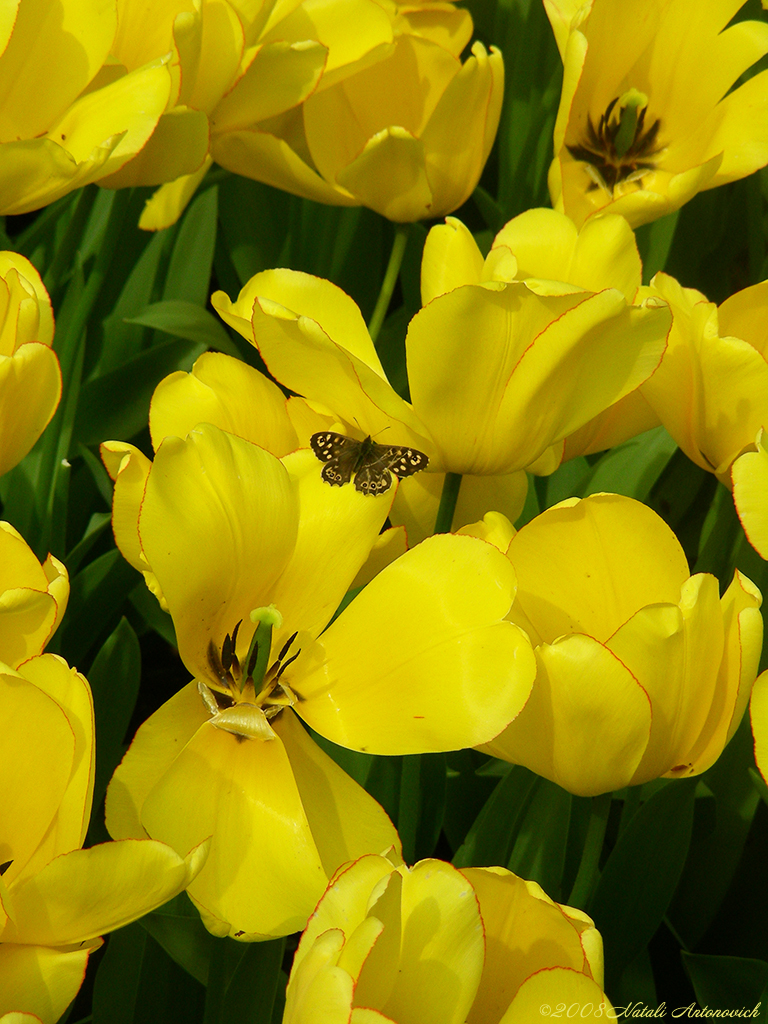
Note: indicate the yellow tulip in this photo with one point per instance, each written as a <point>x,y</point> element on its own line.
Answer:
<point>57,899</point>
<point>407,136</point>
<point>30,379</point>
<point>238,71</point>
<point>646,117</point>
<point>33,598</point>
<point>543,362</point>
<point>545,248</point>
<point>421,660</point>
<point>434,945</point>
<point>711,389</point>
<point>67,119</point>
<point>643,670</point>
<point>750,493</point>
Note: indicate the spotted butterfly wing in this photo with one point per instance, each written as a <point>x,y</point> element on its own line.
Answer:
<point>372,464</point>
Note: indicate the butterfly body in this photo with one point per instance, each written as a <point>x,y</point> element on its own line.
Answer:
<point>371,464</point>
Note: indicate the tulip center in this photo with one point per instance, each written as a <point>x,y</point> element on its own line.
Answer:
<point>620,148</point>
<point>244,695</point>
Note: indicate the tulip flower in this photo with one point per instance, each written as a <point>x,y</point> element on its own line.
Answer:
<point>647,117</point>
<point>435,945</point>
<point>407,136</point>
<point>542,246</point>
<point>643,670</point>
<point>67,120</point>
<point>252,557</point>
<point>30,379</point>
<point>33,598</point>
<point>711,389</point>
<point>239,73</point>
<point>758,710</point>
<point>750,493</point>
<point>543,362</point>
<point>57,899</point>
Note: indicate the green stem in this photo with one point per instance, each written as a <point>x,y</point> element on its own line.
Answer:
<point>448,500</point>
<point>390,277</point>
<point>586,878</point>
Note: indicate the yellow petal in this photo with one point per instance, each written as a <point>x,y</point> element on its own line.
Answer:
<point>603,254</point>
<point>440,668</point>
<point>38,752</point>
<point>337,529</point>
<point>494,528</point>
<point>750,494</point>
<point>30,388</point>
<point>390,176</point>
<point>169,202</point>
<point>523,385</point>
<point>553,986</point>
<point>263,875</point>
<point>129,468</point>
<point>129,106</point>
<point>282,75</point>
<point>594,543</point>
<point>441,959</point>
<point>83,894</point>
<point>217,524</point>
<point>587,722</point>
<point>32,598</point>
<point>741,656</point>
<point>346,823</point>
<point>525,932</point>
<point>674,653</point>
<point>450,259</point>
<point>758,711</point>
<point>44,981</point>
<point>150,755</point>
<point>418,498</point>
<point>71,42</point>
<point>53,676</point>
<point>743,315</point>
<point>325,354</point>
<point>28,314</point>
<point>388,546</point>
<point>468,110</point>
<point>266,157</point>
<point>318,991</point>
<point>177,147</point>
<point>228,393</point>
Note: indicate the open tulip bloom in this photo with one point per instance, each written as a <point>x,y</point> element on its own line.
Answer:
<point>252,556</point>
<point>56,899</point>
<point>434,945</point>
<point>499,372</point>
<point>648,116</point>
<point>643,670</point>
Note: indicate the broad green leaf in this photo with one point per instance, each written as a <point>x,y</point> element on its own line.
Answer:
<point>641,874</point>
<point>729,983</point>
<point>492,837</point>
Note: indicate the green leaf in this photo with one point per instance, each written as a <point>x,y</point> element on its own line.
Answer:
<point>189,321</point>
<point>138,983</point>
<point>185,939</point>
<point>114,677</point>
<point>540,846</point>
<point>633,467</point>
<point>97,594</point>
<point>491,839</point>
<point>189,273</point>
<point>146,604</point>
<point>116,406</point>
<point>465,791</point>
<point>252,990</point>
<point>422,804</point>
<point>641,874</point>
<point>729,983</point>
<point>714,857</point>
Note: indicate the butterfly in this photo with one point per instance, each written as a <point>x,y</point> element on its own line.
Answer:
<point>372,464</point>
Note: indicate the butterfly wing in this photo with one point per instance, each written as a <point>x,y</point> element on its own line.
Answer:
<point>403,461</point>
<point>339,453</point>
